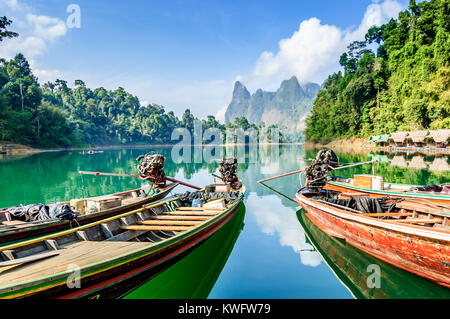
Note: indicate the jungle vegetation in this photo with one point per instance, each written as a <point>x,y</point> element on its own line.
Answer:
<point>396,79</point>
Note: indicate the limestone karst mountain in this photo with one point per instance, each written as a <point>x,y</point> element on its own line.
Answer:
<point>288,107</point>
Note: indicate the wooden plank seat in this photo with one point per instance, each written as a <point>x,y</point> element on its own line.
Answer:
<point>414,206</point>
<point>201,209</point>
<point>387,214</point>
<point>418,221</point>
<point>178,217</point>
<point>156,227</point>
<point>169,222</point>
<point>193,213</point>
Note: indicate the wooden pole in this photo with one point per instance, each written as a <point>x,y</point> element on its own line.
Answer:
<point>279,176</point>
<point>137,176</point>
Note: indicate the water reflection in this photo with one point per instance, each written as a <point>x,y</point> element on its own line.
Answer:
<point>282,223</point>
<point>352,267</point>
<point>194,276</point>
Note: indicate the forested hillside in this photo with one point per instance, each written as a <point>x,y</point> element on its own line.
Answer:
<point>396,79</point>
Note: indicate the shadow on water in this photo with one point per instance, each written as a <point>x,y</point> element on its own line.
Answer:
<point>352,267</point>
<point>194,276</point>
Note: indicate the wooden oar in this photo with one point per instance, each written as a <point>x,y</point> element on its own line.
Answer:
<point>137,176</point>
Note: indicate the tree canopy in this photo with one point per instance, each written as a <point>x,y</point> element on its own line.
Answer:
<point>404,85</point>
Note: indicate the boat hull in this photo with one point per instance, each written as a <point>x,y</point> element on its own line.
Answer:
<point>344,188</point>
<point>15,234</point>
<point>406,247</point>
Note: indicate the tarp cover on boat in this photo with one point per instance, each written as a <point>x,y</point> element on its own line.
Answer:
<point>362,204</point>
<point>35,212</point>
<point>188,197</point>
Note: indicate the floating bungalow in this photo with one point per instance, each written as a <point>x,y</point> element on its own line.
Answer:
<point>416,140</point>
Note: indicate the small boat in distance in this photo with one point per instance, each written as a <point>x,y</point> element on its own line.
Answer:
<point>114,251</point>
<point>374,186</point>
<point>89,210</point>
<point>410,234</point>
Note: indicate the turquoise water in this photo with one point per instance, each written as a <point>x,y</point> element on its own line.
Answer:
<point>263,254</point>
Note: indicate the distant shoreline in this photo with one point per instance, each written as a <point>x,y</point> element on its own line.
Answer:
<point>347,145</point>
<point>19,149</point>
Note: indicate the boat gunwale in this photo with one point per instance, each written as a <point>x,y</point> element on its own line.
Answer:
<point>101,266</point>
<point>435,234</point>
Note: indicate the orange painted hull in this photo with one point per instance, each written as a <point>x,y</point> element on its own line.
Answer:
<point>424,253</point>
<point>342,188</point>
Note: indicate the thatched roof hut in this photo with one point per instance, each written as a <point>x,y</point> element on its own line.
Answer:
<point>418,136</point>
<point>399,137</point>
<point>440,136</point>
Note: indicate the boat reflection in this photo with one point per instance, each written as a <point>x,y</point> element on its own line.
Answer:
<point>193,276</point>
<point>355,269</point>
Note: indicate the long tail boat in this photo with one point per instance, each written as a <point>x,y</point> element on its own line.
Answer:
<point>350,185</point>
<point>354,269</point>
<point>413,235</point>
<point>102,207</point>
<point>95,258</point>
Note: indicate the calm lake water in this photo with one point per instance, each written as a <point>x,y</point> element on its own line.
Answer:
<point>268,250</point>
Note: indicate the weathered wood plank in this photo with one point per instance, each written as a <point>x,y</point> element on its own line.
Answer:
<point>417,221</point>
<point>143,227</point>
<point>200,209</point>
<point>192,213</point>
<point>178,217</point>
<point>28,259</point>
<point>169,222</point>
<point>387,214</point>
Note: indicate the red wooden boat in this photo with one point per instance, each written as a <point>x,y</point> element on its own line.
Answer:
<point>13,230</point>
<point>413,235</point>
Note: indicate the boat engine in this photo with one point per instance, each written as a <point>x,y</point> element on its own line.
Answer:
<point>317,172</point>
<point>228,171</point>
<point>151,167</point>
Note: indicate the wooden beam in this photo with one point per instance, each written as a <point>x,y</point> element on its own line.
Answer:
<point>143,227</point>
<point>201,208</point>
<point>417,221</point>
<point>178,217</point>
<point>192,213</point>
<point>387,214</point>
<point>169,222</point>
<point>28,259</point>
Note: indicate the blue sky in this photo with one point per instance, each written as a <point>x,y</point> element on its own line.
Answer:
<point>189,53</point>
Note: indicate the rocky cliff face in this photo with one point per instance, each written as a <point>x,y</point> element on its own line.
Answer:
<point>288,107</point>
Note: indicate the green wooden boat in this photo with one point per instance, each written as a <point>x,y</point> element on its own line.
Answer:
<point>98,257</point>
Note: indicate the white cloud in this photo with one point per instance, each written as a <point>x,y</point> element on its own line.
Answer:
<point>47,28</point>
<point>282,222</point>
<point>36,32</point>
<point>312,52</point>
<point>12,4</point>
